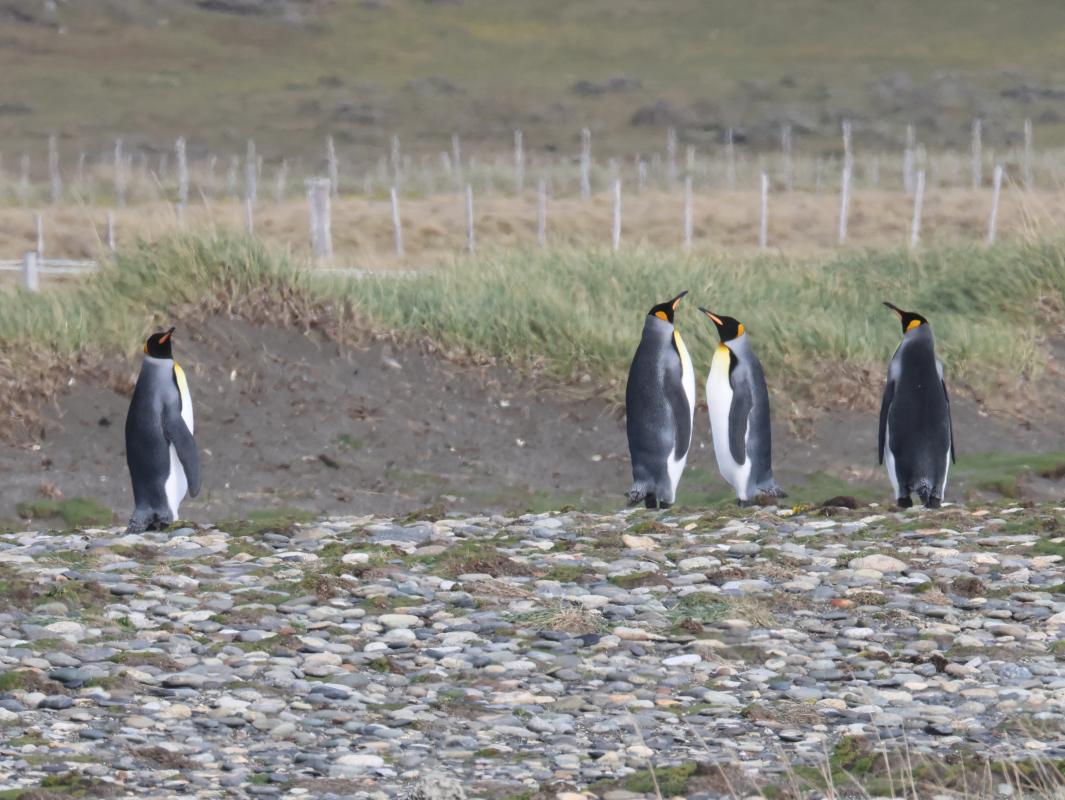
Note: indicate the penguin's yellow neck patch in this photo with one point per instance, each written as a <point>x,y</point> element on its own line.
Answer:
<point>913,324</point>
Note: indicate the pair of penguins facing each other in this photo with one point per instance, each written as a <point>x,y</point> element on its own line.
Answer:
<point>916,439</point>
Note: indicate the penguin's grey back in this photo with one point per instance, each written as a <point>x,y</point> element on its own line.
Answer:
<point>147,448</point>
<point>658,416</point>
<point>918,419</point>
<point>748,371</point>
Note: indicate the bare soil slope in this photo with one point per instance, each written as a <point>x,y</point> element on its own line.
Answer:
<point>291,419</point>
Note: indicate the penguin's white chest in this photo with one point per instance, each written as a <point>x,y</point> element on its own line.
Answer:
<point>176,482</point>
<point>675,465</point>
<point>719,401</point>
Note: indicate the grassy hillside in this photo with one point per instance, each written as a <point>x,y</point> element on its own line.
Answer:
<point>480,67</point>
<point>818,326</point>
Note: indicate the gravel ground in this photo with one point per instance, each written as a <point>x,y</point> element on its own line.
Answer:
<point>562,655</point>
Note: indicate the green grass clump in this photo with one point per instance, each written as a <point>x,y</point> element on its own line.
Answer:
<point>269,520</point>
<point>582,311</point>
<point>76,512</point>
<point>671,780</point>
<point>144,286</point>
<point>576,312</point>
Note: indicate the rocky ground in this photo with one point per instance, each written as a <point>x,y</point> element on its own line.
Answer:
<point>780,652</point>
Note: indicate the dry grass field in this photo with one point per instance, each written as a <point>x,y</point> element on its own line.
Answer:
<point>434,228</point>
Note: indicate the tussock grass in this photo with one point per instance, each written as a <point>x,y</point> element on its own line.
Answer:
<point>818,327</point>
<point>579,311</point>
<point>147,285</point>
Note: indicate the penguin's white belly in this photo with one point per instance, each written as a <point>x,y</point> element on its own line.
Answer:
<point>176,482</point>
<point>889,461</point>
<point>675,465</point>
<point>719,401</point>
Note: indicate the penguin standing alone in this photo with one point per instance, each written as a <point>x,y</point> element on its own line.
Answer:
<point>160,450</point>
<point>916,441</point>
<point>659,408</point>
<point>738,401</point>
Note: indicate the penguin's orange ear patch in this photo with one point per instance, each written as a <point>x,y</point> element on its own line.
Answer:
<point>662,315</point>
<point>913,324</point>
<point>739,329</point>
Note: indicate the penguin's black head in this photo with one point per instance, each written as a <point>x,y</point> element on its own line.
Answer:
<point>727,327</point>
<point>158,345</point>
<point>908,319</point>
<point>664,311</point>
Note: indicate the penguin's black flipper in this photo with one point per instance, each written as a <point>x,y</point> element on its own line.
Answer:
<point>179,435</point>
<point>950,422</point>
<point>738,414</point>
<point>885,406</point>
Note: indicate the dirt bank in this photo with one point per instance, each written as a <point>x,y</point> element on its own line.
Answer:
<point>291,419</point>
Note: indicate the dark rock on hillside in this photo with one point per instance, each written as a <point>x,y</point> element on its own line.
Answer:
<point>616,85</point>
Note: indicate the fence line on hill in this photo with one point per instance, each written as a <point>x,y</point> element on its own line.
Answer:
<point>728,170</point>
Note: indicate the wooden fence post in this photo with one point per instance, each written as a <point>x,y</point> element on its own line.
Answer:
<point>281,181</point>
<point>182,171</point>
<point>470,246</point>
<point>845,188</point>
<point>30,278</point>
<point>586,163</point>
<point>318,203</point>
<point>24,181</point>
<point>908,160</point>
<point>996,188</point>
<point>456,159</point>
<point>334,167</point>
<point>111,231</point>
<point>397,225</point>
<point>918,205</point>
<point>976,167</point>
<point>251,174</point>
<point>396,162</point>
<point>120,174</point>
<point>53,169</point>
<point>39,223</point>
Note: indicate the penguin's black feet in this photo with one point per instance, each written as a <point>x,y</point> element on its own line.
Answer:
<point>650,501</point>
<point>162,521</point>
<point>933,502</point>
<point>743,503</point>
<point>138,523</point>
<point>904,502</point>
<point>664,504</point>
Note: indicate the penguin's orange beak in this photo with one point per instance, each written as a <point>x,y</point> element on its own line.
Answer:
<point>676,300</point>
<point>166,336</point>
<point>716,320</point>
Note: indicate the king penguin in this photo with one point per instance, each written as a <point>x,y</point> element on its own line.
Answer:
<point>916,441</point>
<point>738,402</point>
<point>160,450</point>
<point>659,408</point>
